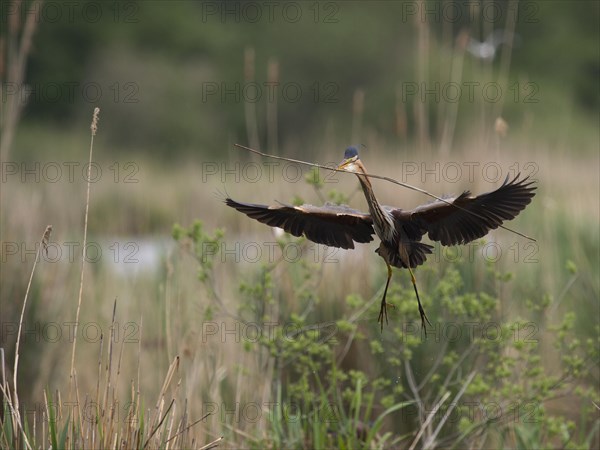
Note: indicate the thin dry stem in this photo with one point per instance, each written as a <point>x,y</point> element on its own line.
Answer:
<point>273,77</point>
<point>79,412</point>
<point>430,417</point>
<point>456,73</point>
<point>212,444</point>
<point>190,426</point>
<point>45,237</point>
<point>431,440</point>
<point>16,62</point>
<point>506,53</point>
<point>94,128</point>
<point>99,373</point>
<point>6,393</point>
<point>422,73</point>
<point>250,107</point>
<point>139,361</point>
<point>358,109</point>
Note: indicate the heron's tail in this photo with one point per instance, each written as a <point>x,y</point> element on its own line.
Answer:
<point>417,254</point>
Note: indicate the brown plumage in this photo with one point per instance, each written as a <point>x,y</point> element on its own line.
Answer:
<point>332,225</point>
<point>457,220</point>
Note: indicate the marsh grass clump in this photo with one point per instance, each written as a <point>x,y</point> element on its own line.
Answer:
<point>101,419</point>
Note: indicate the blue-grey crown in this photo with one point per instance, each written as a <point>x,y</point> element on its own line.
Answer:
<point>350,152</point>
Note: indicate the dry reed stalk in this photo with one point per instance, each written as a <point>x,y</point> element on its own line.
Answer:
<point>159,416</point>
<point>358,107</point>
<point>445,47</point>
<point>94,129</point>
<point>422,76</point>
<point>14,400</point>
<point>79,414</point>
<point>168,308</point>
<point>249,107</point>
<point>273,80</point>
<point>477,8</point>
<point>99,374</point>
<point>13,62</point>
<point>451,112</point>
<point>401,117</point>
<point>506,54</point>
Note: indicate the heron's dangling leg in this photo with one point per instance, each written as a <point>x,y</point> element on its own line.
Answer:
<point>421,310</point>
<point>383,310</point>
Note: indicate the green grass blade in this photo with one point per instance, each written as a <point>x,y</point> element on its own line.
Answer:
<point>63,434</point>
<point>51,422</point>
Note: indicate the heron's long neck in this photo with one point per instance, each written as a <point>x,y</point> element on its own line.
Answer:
<point>382,220</point>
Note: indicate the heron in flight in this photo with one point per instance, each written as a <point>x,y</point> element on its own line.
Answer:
<point>455,220</point>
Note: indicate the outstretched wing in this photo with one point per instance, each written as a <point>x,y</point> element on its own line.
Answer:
<point>469,217</point>
<point>333,225</point>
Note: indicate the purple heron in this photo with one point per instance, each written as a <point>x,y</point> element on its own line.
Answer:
<point>456,220</point>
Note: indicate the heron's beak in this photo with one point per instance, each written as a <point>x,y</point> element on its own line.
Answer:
<point>345,163</point>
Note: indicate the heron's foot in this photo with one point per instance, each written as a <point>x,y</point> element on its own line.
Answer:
<point>421,310</point>
<point>423,319</point>
<point>383,313</point>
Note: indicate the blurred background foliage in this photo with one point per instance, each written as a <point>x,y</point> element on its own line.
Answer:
<point>156,63</point>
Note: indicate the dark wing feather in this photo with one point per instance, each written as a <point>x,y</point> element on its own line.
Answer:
<point>479,214</point>
<point>333,225</point>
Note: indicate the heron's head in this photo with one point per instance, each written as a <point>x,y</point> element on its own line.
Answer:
<point>351,161</point>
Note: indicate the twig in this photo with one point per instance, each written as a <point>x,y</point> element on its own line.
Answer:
<point>379,177</point>
<point>212,444</point>
<point>188,427</point>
